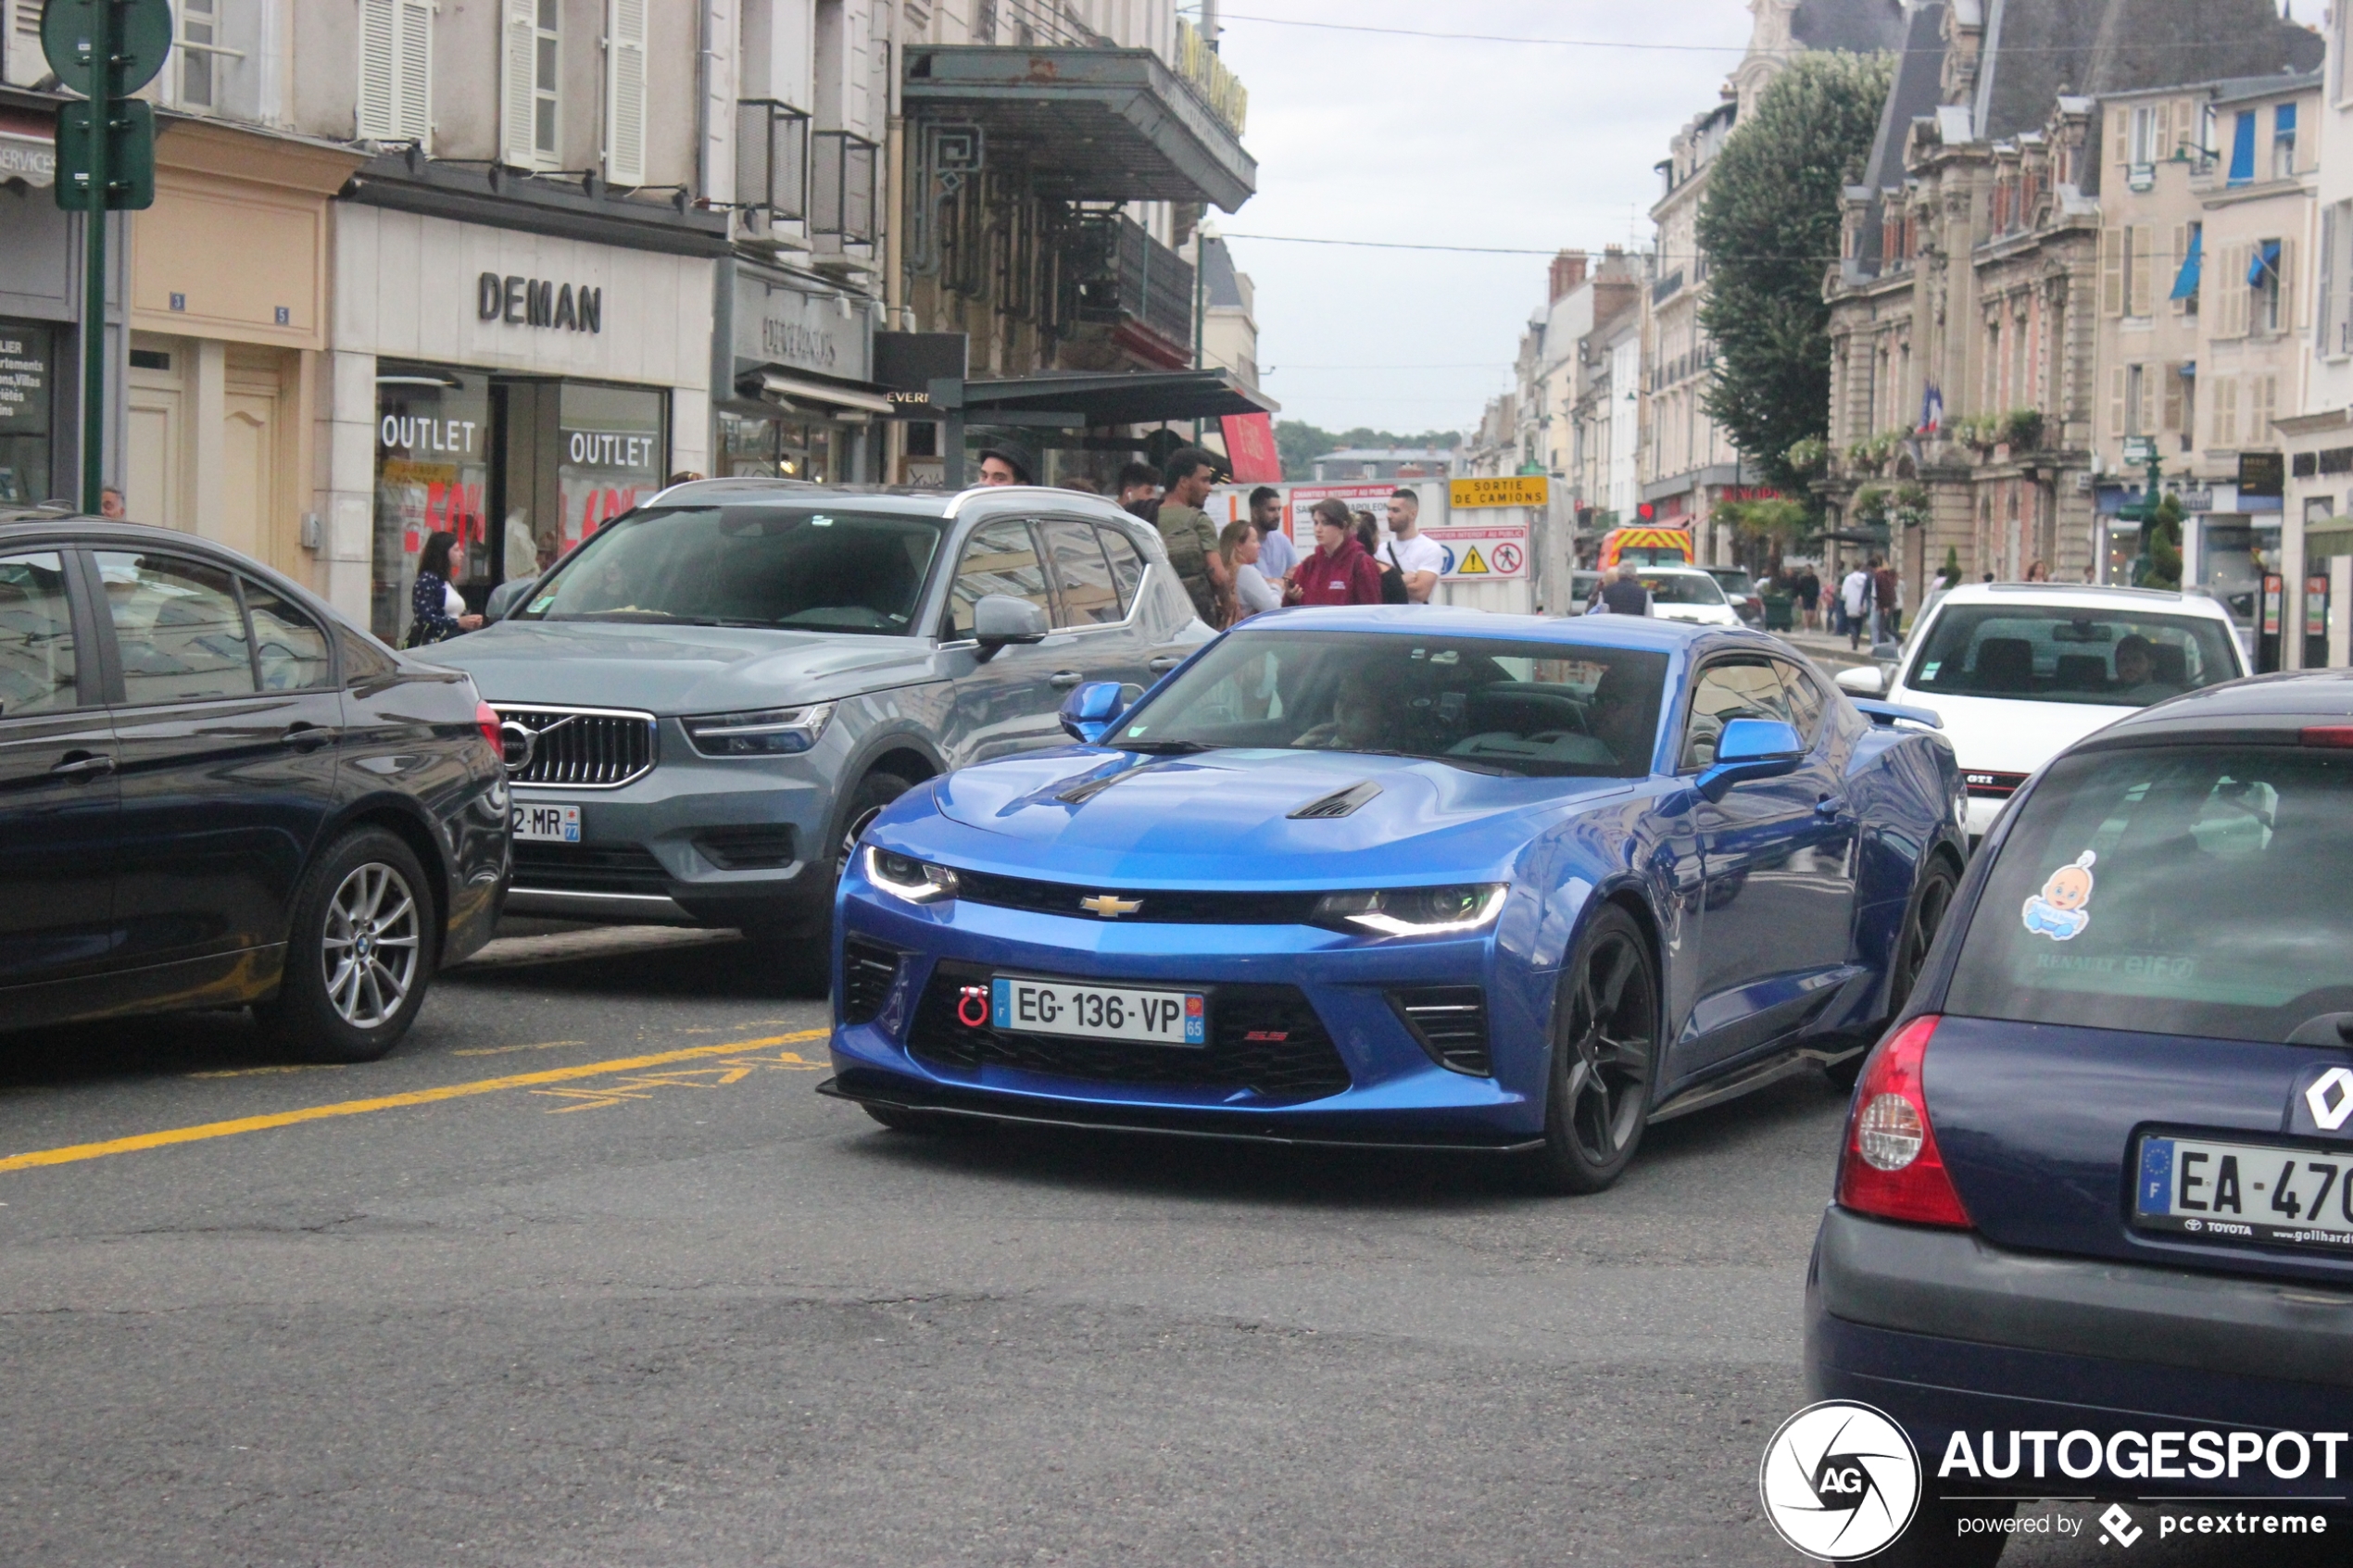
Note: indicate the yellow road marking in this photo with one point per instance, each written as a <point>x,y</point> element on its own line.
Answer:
<point>541,1045</point>
<point>640,1085</point>
<point>72,1152</point>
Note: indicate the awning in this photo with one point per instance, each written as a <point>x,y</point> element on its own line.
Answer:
<point>1113,397</point>
<point>1086,124</point>
<point>2185,281</point>
<point>798,390</point>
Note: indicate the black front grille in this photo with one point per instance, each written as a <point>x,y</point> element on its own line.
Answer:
<point>1153,907</point>
<point>589,868</point>
<point>1451,1022</point>
<point>1263,1038</point>
<point>756,847</point>
<point>868,971</point>
<point>583,748</point>
<point>1988,786</point>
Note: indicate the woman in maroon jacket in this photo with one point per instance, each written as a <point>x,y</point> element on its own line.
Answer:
<point>1340,572</point>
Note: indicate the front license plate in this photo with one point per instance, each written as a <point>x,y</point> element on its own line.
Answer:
<point>548,824</point>
<point>2270,1193</point>
<point>1099,1013</point>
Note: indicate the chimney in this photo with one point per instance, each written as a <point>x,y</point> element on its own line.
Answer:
<point>1568,270</point>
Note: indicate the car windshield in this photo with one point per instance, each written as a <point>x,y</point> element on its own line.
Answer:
<point>1682,588</point>
<point>2052,653</point>
<point>1547,708</point>
<point>1736,584</point>
<point>799,569</point>
<point>2192,890</point>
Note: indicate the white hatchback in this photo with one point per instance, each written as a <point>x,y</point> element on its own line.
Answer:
<point>2020,672</point>
<point>1687,593</point>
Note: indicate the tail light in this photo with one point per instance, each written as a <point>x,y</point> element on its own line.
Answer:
<point>487,720</point>
<point>1892,1167</point>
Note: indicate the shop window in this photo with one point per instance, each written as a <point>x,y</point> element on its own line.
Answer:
<point>612,452</point>
<point>27,379</point>
<point>432,475</point>
<point>778,447</point>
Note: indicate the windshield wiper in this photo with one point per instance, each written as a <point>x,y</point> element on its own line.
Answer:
<point>1165,747</point>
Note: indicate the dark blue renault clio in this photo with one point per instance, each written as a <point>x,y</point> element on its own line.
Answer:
<point>2094,1226</point>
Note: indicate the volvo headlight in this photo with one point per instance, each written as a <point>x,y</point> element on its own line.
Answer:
<point>770,731</point>
<point>1416,911</point>
<point>918,882</point>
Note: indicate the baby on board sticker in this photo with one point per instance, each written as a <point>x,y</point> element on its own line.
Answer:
<point>2058,910</point>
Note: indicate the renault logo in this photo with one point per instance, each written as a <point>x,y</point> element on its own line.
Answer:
<point>1110,906</point>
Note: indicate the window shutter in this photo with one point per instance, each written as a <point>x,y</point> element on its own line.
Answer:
<point>2162,143</point>
<point>625,91</point>
<point>2119,135</point>
<point>2266,401</point>
<point>2111,271</point>
<point>2172,413</point>
<point>2325,293</point>
<point>2141,292</point>
<point>518,50</point>
<point>415,99</point>
<point>379,115</point>
<point>2289,319</point>
<point>2226,412</point>
<point>2116,399</point>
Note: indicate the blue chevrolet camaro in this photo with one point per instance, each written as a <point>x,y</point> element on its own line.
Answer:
<point>1406,877</point>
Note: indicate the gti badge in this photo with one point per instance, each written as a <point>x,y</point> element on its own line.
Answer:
<point>1110,906</point>
<point>2331,1098</point>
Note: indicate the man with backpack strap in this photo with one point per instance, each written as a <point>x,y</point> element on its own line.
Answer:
<point>1414,555</point>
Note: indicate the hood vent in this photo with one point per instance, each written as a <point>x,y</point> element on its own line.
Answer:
<point>1342,803</point>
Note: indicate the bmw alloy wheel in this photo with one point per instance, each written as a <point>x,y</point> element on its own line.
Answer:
<point>370,948</point>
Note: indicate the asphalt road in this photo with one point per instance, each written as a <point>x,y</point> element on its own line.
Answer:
<point>586,1274</point>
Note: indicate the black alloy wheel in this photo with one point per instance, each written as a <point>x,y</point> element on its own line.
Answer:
<point>802,954</point>
<point>359,953</point>
<point>1923,918</point>
<point>1605,1057</point>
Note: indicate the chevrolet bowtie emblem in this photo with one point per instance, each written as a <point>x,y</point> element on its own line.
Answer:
<point>1110,906</point>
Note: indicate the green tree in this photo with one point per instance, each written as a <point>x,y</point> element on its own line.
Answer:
<point>1769,225</point>
<point>1299,444</point>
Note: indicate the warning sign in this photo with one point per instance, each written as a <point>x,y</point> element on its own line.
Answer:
<point>1481,555</point>
<point>1516,490</point>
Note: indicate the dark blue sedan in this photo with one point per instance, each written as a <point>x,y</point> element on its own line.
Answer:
<point>2094,1227</point>
<point>1404,877</point>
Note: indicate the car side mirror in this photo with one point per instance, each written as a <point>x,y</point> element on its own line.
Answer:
<point>1000,619</point>
<point>1089,712</point>
<point>1752,748</point>
<point>1864,680</point>
<point>503,597</point>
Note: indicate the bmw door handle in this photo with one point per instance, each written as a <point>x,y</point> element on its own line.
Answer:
<point>82,765</point>
<point>1063,680</point>
<point>304,736</point>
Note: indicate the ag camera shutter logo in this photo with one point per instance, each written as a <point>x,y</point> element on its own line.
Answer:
<point>1840,1481</point>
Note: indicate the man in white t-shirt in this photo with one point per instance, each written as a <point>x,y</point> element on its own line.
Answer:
<point>1410,550</point>
<point>1855,594</point>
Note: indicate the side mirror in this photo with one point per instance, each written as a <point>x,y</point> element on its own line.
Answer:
<point>503,597</point>
<point>1089,712</point>
<point>1000,619</point>
<point>1864,680</point>
<point>1752,748</point>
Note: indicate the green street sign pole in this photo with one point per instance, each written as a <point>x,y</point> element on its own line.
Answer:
<point>103,81</point>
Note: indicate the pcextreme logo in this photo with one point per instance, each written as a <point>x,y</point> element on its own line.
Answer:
<point>1840,1481</point>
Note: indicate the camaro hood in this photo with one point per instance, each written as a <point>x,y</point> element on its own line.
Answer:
<point>2011,737</point>
<point>1228,815</point>
<point>677,669</point>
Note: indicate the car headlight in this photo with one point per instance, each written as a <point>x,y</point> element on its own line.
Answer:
<point>1416,911</point>
<point>770,731</point>
<point>918,882</point>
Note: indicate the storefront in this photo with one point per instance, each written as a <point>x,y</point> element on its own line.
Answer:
<point>793,364</point>
<point>41,275</point>
<point>513,388</point>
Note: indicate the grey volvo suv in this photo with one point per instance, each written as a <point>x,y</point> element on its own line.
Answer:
<point>718,690</point>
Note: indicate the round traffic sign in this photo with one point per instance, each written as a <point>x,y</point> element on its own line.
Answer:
<point>1507,558</point>
<point>142,39</point>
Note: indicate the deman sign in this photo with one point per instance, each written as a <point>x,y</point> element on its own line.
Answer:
<point>535,302</point>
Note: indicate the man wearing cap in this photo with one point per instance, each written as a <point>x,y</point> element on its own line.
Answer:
<point>1190,537</point>
<point>1005,463</point>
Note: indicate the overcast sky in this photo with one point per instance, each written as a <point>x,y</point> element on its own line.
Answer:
<point>1445,141</point>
